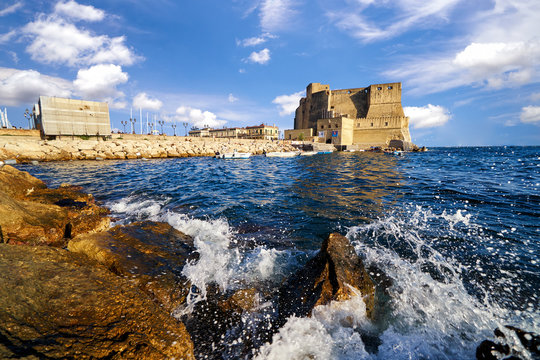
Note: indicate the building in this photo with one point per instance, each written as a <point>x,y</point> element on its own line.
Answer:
<point>56,117</point>
<point>263,132</point>
<point>250,132</point>
<point>352,118</point>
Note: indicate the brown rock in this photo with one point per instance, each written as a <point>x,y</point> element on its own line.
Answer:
<point>151,254</point>
<point>55,305</point>
<point>325,278</point>
<point>30,213</point>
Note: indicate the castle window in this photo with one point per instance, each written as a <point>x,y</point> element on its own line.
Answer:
<point>322,126</point>
<point>389,88</point>
<point>386,123</point>
<point>371,124</point>
<point>331,107</point>
<point>337,125</point>
<point>366,91</point>
<point>379,88</point>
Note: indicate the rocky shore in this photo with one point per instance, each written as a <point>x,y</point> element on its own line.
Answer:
<point>26,149</point>
<point>72,287</point>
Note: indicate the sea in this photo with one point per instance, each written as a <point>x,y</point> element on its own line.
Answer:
<point>456,231</point>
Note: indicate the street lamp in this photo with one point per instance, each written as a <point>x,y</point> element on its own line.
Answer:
<point>161,122</point>
<point>174,128</point>
<point>28,117</point>
<point>124,122</point>
<point>133,121</point>
<point>185,127</point>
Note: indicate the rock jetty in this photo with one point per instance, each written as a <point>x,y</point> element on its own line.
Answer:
<point>27,149</point>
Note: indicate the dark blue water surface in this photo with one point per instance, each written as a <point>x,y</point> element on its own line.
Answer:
<point>464,216</point>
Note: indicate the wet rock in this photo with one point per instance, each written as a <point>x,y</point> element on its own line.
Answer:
<point>54,304</point>
<point>326,277</point>
<point>150,254</point>
<point>35,215</point>
<point>491,350</point>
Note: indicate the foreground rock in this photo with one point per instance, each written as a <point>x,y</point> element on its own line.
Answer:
<point>30,213</point>
<point>504,349</point>
<point>327,277</point>
<point>54,304</point>
<point>150,254</point>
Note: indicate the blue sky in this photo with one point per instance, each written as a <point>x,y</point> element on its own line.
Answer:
<point>470,69</point>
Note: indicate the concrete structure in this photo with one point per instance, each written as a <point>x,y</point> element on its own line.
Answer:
<point>56,117</point>
<point>250,132</point>
<point>352,118</point>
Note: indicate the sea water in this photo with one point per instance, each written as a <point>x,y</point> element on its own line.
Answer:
<point>455,230</point>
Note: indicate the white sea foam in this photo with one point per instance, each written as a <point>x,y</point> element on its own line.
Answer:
<point>132,206</point>
<point>332,332</point>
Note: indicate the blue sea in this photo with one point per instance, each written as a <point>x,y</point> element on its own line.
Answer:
<point>456,230</point>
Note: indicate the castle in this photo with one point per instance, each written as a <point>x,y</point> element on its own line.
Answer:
<point>357,118</point>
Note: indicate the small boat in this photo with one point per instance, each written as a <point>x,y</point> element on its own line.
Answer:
<point>233,155</point>
<point>281,154</point>
<point>308,153</point>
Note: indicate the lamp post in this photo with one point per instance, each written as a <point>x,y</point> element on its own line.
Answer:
<point>161,122</point>
<point>133,121</point>
<point>124,122</point>
<point>28,117</point>
<point>185,127</point>
<point>151,128</point>
<point>174,128</point>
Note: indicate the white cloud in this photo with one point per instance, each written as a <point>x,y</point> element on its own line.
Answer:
<point>427,116</point>
<point>77,11</point>
<point>530,115</point>
<point>288,103</point>
<point>11,9</point>
<point>18,87</point>
<point>198,117</point>
<point>262,57</point>
<point>57,41</point>
<point>142,101</point>
<point>492,56</point>
<point>401,15</point>
<point>99,82</point>
<point>253,41</point>
<point>232,98</point>
<point>4,38</point>
<point>535,96</point>
<point>275,15</point>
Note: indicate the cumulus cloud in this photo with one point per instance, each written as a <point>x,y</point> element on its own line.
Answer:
<point>54,39</point>
<point>262,57</point>
<point>77,11</point>
<point>19,87</point>
<point>275,15</point>
<point>11,9</point>
<point>427,116</point>
<point>99,82</point>
<point>530,115</point>
<point>288,103</point>
<point>197,117</point>
<point>510,61</point>
<point>253,41</point>
<point>142,101</point>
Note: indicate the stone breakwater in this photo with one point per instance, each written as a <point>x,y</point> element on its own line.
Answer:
<point>26,149</point>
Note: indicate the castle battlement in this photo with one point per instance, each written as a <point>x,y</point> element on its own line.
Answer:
<point>366,115</point>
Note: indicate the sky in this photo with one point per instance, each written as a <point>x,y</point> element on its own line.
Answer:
<point>470,70</point>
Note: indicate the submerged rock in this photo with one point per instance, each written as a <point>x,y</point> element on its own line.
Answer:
<point>54,304</point>
<point>35,215</point>
<point>148,253</point>
<point>326,277</point>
